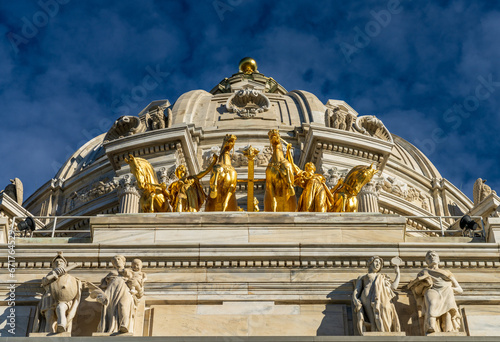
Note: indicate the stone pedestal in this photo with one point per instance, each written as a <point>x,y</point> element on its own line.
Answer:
<point>449,334</point>
<point>493,229</point>
<point>245,227</point>
<point>51,335</point>
<point>386,333</point>
<point>111,334</point>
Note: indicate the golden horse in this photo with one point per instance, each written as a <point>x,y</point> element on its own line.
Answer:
<point>154,198</point>
<point>279,194</point>
<point>223,180</point>
<point>345,192</point>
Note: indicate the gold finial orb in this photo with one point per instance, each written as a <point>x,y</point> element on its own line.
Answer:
<point>248,65</point>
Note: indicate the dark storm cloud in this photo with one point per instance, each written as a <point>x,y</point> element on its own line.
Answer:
<point>85,66</point>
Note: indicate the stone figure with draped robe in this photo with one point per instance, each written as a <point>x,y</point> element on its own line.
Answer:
<point>372,300</point>
<point>434,290</point>
<point>122,288</point>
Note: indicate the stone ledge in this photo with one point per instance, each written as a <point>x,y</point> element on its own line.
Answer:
<point>246,228</point>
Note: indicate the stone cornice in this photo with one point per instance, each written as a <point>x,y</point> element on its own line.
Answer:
<point>456,256</point>
<point>352,143</point>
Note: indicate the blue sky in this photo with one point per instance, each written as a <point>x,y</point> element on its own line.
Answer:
<point>430,71</point>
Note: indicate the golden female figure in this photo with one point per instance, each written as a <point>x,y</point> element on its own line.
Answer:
<point>316,197</point>
<point>186,193</point>
<point>154,196</point>
<point>280,194</point>
<point>345,192</point>
<point>223,180</point>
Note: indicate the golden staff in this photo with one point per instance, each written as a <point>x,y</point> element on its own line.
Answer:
<point>250,152</point>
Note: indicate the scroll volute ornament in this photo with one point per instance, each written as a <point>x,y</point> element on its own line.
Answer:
<point>125,126</point>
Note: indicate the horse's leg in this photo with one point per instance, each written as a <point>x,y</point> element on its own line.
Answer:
<point>288,174</point>
<point>214,180</point>
<point>352,205</point>
<point>231,179</point>
<point>152,203</point>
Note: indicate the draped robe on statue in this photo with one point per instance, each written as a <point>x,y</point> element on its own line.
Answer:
<point>377,298</point>
<point>434,294</point>
<point>120,309</point>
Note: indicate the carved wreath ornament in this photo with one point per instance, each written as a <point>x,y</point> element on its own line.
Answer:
<point>247,103</point>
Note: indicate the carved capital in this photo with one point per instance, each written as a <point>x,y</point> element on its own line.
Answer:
<point>250,152</point>
<point>127,186</point>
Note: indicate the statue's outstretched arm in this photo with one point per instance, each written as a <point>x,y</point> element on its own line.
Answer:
<point>204,173</point>
<point>295,168</point>
<point>395,284</point>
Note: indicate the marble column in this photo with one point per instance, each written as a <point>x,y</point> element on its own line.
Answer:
<point>368,198</point>
<point>128,195</point>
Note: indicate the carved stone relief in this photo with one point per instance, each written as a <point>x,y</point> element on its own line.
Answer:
<point>157,118</point>
<point>333,175</point>
<point>238,159</point>
<point>248,102</point>
<point>480,191</point>
<point>167,175</point>
<point>339,118</point>
<point>91,192</point>
<point>125,126</point>
<point>407,192</point>
<point>370,125</point>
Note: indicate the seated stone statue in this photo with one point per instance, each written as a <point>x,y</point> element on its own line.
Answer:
<point>59,303</point>
<point>186,193</point>
<point>122,288</point>
<point>434,289</point>
<point>372,300</point>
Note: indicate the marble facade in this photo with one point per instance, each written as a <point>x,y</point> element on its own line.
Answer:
<point>252,273</point>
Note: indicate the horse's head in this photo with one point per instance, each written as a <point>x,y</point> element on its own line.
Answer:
<point>228,142</point>
<point>274,137</point>
<point>359,176</point>
<point>142,170</point>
